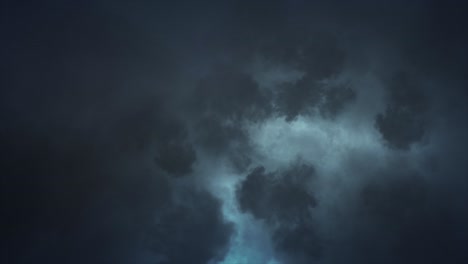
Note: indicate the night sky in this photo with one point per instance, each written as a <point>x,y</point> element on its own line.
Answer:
<point>233,132</point>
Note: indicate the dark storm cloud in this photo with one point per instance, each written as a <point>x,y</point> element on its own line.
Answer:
<point>191,232</point>
<point>401,216</point>
<point>307,94</point>
<point>268,31</point>
<point>321,59</point>
<point>220,103</point>
<point>336,98</point>
<point>283,201</point>
<point>220,138</point>
<point>108,110</point>
<point>277,196</point>
<point>403,121</point>
<point>89,142</point>
<point>299,98</point>
<point>230,94</point>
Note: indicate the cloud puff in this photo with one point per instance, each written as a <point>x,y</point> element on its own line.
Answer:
<point>403,121</point>
<point>284,202</point>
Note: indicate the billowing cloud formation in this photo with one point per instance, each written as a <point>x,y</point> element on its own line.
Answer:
<point>284,202</point>
<point>403,120</point>
<point>277,197</point>
<point>235,132</point>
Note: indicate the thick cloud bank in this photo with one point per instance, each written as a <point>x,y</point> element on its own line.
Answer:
<point>233,132</point>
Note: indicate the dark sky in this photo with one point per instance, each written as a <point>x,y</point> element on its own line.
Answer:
<point>233,132</point>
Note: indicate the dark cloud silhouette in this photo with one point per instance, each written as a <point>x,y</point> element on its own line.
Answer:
<point>308,94</point>
<point>219,138</point>
<point>230,94</point>
<point>403,121</point>
<point>221,102</point>
<point>336,98</point>
<point>284,202</point>
<point>300,98</point>
<point>320,58</point>
<point>252,191</point>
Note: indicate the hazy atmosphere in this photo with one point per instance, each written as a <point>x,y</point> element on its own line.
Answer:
<point>234,132</point>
